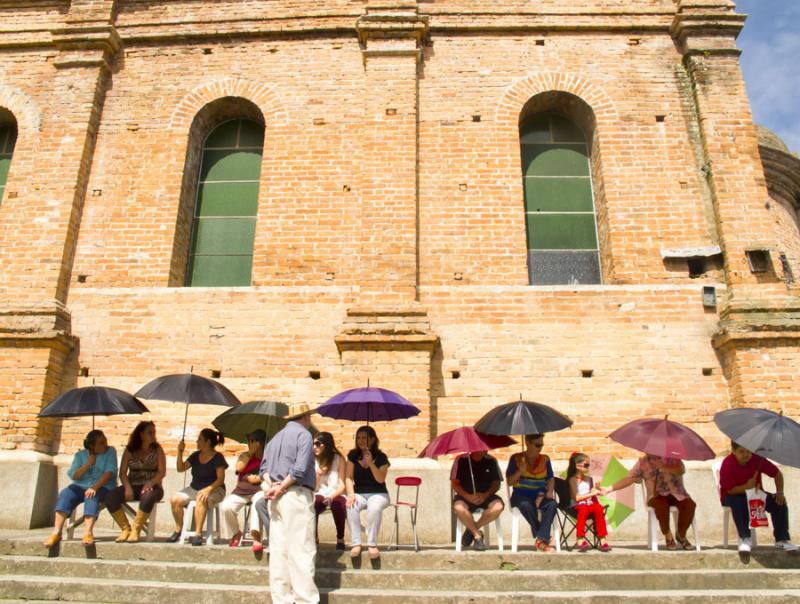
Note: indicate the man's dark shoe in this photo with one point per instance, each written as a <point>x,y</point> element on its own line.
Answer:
<point>467,538</point>
<point>173,538</point>
<point>197,540</point>
<point>479,546</point>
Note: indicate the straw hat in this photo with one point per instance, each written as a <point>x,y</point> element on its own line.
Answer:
<point>299,409</point>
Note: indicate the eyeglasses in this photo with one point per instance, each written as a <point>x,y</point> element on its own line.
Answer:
<point>317,443</point>
<point>585,464</point>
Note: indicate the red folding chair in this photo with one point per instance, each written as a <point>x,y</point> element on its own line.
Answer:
<point>405,481</point>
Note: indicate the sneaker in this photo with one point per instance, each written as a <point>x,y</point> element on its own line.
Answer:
<point>467,538</point>
<point>787,546</point>
<point>478,545</point>
<point>236,539</point>
<point>745,545</point>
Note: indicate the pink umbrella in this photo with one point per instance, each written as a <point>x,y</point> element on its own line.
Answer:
<point>465,440</point>
<point>664,438</point>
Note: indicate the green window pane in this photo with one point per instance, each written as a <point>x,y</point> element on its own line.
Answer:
<point>558,195</point>
<point>228,199</point>
<point>536,129</point>
<point>224,235</point>
<point>224,135</point>
<point>251,135</point>
<point>565,131</point>
<point>231,165</point>
<point>561,232</point>
<point>554,160</point>
<point>5,164</point>
<point>220,271</point>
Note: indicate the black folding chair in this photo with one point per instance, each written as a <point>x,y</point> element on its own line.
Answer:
<point>567,516</point>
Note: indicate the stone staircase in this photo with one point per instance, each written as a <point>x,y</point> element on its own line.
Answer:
<point>159,572</point>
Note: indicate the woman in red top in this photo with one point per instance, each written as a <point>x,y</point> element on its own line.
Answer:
<point>740,471</point>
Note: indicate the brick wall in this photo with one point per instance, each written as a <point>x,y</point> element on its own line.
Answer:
<point>391,174</point>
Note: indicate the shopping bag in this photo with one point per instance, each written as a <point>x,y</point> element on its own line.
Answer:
<point>757,504</point>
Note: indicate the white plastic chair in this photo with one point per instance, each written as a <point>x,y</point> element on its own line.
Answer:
<point>188,520</point>
<point>652,523</point>
<point>498,527</point>
<point>726,511</point>
<point>246,536</point>
<point>516,518</point>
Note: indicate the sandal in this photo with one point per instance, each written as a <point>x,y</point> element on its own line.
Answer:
<point>605,547</point>
<point>684,543</point>
<point>52,540</point>
<point>88,540</point>
<point>671,545</point>
<point>374,554</point>
<point>544,547</point>
<point>583,546</point>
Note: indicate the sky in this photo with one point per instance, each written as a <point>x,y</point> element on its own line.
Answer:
<point>770,44</point>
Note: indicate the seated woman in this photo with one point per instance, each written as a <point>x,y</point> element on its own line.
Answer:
<point>531,475</point>
<point>207,488</point>
<point>93,472</point>
<point>248,489</point>
<point>141,471</point>
<point>663,481</point>
<point>365,482</point>
<point>740,471</point>
<point>331,468</point>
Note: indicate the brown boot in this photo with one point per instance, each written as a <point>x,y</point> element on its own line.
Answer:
<point>138,526</point>
<point>122,521</point>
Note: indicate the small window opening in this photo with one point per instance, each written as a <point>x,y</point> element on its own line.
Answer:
<point>215,373</point>
<point>587,373</point>
<point>697,266</point>
<point>314,375</point>
<point>759,260</point>
<point>455,374</point>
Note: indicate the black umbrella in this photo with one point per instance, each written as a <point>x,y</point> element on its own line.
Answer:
<point>238,422</point>
<point>190,389</point>
<point>93,400</point>
<point>765,432</point>
<point>522,417</point>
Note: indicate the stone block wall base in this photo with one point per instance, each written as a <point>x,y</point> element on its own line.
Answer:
<point>30,483</point>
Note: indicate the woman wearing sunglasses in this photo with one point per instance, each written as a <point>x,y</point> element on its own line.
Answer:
<point>531,475</point>
<point>330,467</point>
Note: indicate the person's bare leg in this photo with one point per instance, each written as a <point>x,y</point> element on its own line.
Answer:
<point>466,518</point>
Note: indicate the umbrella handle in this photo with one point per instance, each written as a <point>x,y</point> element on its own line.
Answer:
<point>185,416</point>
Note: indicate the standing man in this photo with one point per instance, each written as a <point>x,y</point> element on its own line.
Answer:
<point>289,464</point>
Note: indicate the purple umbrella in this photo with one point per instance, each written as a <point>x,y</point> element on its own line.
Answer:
<point>664,438</point>
<point>368,405</point>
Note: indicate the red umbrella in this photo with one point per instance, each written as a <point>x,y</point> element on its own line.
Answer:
<point>465,440</point>
<point>664,438</point>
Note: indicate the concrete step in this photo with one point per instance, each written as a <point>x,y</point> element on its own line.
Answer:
<point>121,591</point>
<point>412,580</point>
<point>621,558</point>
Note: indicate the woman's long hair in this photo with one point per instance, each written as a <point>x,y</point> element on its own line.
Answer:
<point>574,460</point>
<point>325,459</point>
<point>135,440</point>
<point>375,448</point>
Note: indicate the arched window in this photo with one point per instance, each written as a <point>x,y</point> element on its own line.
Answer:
<point>224,223</point>
<point>559,204</point>
<point>8,138</point>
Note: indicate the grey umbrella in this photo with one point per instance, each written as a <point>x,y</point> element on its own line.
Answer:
<point>522,417</point>
<point>93,400</point>
<point>190,389</point>
<point>765,432</point>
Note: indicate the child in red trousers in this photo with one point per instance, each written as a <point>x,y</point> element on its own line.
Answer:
<point>585,502</point>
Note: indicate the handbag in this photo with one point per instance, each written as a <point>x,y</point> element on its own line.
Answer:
<point>757,506</point>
